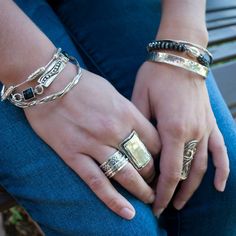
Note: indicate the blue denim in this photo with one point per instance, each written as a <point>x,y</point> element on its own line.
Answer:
<point>110,38</point>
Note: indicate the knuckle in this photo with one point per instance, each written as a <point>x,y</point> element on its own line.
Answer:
<point>224,173</point>
<point>114,204</point>
<point>128,176</point>
<point>95,182</point>
<point>172,177</point>
<point>200,169</point>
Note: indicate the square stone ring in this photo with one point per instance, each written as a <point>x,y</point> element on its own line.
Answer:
<point>135,150</point>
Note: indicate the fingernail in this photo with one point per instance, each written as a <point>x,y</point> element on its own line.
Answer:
<point>127,213</point>
<point>179,204</point>
<point>158,212</point>
<point>221,186</point>
<point>152,198</point>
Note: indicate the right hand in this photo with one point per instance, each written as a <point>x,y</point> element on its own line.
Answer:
<point>85,128</point>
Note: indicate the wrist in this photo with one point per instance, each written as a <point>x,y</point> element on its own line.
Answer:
<point>191,34</point>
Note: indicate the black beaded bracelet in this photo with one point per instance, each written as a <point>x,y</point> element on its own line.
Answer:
<point>179,47</point>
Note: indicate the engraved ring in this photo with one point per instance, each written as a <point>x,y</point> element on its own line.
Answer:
<point>135,150</point>
<point>114,164</point>
<point>190,149</point>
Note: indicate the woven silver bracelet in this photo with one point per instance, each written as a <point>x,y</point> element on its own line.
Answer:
<point>53,96</point>
<point>45,76</point>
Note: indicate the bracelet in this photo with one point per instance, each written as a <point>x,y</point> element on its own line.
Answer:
<point>45,75</point>
<point>192,50</point>
<point>179,62</point>
<point>46,81</point>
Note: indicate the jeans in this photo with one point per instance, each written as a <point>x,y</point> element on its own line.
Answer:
<point>109,38</point>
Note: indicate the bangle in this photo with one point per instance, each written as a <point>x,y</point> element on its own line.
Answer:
<point>192,50</point>
<point>179,62</point>
<point>45,75</point>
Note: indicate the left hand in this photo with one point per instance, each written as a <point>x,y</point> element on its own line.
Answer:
<point>179,102</point>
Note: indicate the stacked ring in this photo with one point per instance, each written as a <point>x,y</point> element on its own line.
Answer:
<point>190,149</point>
<point>135,150</point>
<point>114,164</point>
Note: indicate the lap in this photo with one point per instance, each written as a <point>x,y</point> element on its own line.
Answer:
<point>53,194</point>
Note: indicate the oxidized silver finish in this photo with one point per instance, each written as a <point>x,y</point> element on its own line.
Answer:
<point>178,61</point>
<point>114,164</point>
<point>190,149</point>
<point>53,70</point>
<point>136,151</point>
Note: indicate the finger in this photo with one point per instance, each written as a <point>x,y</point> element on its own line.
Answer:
<point>170,172</point>
<point>149,136</point>
<point>128,177</point>
<point>197,171</point>
<point>89,171</point>
<point>140,99</point>
<point>220,158</point>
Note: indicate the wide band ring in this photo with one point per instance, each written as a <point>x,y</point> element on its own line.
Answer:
<point>190,148</point>
<point>135,150</point>
<point>114,164</point>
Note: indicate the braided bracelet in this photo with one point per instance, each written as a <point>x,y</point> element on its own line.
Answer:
<point>53,96</point>
<point>179,62</point>
<point>193,50</point>
<point>45,75</point>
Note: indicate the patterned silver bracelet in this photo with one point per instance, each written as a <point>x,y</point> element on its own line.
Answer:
<point>45,76</point>
<point>178,61</point>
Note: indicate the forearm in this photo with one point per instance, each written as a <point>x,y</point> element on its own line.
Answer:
<point>184,20</point>
<point>23,47</point>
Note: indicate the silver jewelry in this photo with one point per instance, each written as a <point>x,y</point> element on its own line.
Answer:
<point>114,164</point>
<point>178,61</point>
<point>190,149</point>
<point>45,75</point>
<point>136,151</point>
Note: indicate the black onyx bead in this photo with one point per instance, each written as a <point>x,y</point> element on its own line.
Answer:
<point>167,46</point>
<point>28,94</point>
<point>175,46</point>
<point>162,45</point>
<point>171,45</point>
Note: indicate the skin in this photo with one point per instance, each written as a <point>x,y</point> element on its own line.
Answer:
<point>85,118</point>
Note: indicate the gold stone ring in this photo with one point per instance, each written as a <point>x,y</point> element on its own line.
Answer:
<point>190,149</point>
<point>135,150</point>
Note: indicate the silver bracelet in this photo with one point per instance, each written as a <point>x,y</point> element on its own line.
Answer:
<point>50,97</point>
<point>45,75</point>
<point>178,61</point>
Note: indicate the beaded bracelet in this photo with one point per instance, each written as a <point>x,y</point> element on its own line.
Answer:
<point>182,46</point>
<point>45,75</point>
<point>179,62</point>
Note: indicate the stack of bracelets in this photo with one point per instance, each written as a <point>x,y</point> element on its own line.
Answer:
<point>45,76</point>
<point>203,58</point>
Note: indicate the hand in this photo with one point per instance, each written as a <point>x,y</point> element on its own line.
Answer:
<point>179,102</point>
<point>86,126</point>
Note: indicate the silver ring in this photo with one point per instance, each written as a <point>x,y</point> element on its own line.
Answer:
<point>136,151</point>
<point>114,164</point>
<point>190,148</point>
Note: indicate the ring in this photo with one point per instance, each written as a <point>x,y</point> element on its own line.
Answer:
<point>135,150</point>
<point>190,149</point>
<point>114,164</point>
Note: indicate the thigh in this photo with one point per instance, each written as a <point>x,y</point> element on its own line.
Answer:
<point>51,192</point>
<point>113,42</point>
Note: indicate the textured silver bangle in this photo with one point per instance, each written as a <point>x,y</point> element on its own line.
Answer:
<point>178,61</point>
<point>50,97</point>
<point>45,75</point>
